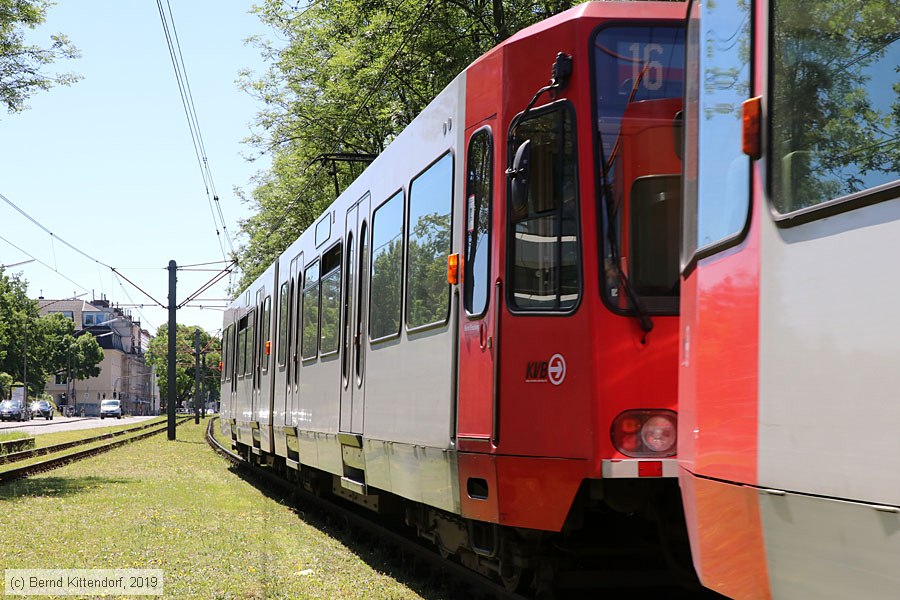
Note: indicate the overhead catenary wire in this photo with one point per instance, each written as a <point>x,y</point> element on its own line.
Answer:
<point>52,235</point>
<point>115,272</point>
<point>42,263</point>
<point>167,19</point>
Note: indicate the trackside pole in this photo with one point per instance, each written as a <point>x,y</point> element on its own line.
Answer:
<point>196,376</point>
<point>170,404</point>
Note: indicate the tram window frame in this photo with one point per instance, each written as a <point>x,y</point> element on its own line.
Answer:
<point>250,348</point>
<point>362,306</point>
<point>400,198</point>
<point>240,356</point>
<point>478,232</point>
<point>776,181</point>
<point>692,250</point>
<point>654,44</point>
<point>331,270</point>
<point>283,307</point>
<point>226,352</point>
<point>265,333</point>
<point>346,344</point>
<point>309,289</point>
<point>413,279</point>
<point>567,113</point>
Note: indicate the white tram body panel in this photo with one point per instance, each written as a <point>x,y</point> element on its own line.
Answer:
<point>829,387</point>
<point>393,416</point>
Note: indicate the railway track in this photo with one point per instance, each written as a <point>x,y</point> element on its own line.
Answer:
<point>477,586</point>
<point>118,438</point>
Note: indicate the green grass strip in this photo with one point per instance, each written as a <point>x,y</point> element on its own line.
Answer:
<point>177,506</point>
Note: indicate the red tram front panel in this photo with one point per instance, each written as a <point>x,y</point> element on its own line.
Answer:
<point>547,360</point>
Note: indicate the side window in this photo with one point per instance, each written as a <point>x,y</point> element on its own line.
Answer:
<point>716,171</point>
<point>835,108</point>
<point>430,207</point>
<point>544,272</point>
<point>250,342</point>
<point>479,189</point>
<point>283,305</point>
<point>387,268</point>
<point>309,346</point>
<point>266,333</point>
<point>227,362</point>
<point>330,316</point>
<point>361,291</point>
<point>241,356</point>
<point>347,307</point>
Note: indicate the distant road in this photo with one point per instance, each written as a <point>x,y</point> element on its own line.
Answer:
<point>41,425</point>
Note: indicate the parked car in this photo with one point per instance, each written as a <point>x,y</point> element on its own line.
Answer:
<point>14,410</point>
<point>42,408</point>
<point>110,408</point>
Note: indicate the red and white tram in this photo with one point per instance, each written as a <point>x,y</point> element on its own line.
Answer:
<point>788,419</point>
<point>484,324</point>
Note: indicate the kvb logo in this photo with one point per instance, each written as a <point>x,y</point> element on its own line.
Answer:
<point>542,371</point>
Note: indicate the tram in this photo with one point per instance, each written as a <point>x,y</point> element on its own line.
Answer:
<point>483,328</point>
<point>788,448</point>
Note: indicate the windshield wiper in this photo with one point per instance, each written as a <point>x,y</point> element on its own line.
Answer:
<point>609,217</point>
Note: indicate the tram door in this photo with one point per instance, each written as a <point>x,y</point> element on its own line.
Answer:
<point>478,340</point>
<point>354,309</point>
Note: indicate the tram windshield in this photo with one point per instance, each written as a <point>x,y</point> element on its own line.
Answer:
<point>638,85</point>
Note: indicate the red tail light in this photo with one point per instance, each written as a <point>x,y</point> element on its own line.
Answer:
<point>645,433</point>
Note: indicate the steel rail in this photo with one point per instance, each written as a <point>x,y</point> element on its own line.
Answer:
<point>26,454</point>
<point>481,585</point>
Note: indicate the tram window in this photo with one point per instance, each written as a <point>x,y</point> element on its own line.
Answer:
<point>639,82</point>
<point>387,268</point>
<point>717,172</point>
<point>282,340</point>
<point>250,343</point>
<point>330,306</point>
<point>835,108</point>
<point>347,308</point>
<point>430,207</point>
<point>361,291</point>
<point>241,355</point>
<point>226,352</point>
<point>544,270</point>
<point>266,331</point>
<point>479,188</point>
<point>309,346</point>
<point>655,224</point>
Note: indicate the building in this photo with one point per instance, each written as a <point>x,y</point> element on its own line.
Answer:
<point>124,372</point>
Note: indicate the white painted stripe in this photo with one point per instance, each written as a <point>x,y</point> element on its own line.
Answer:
<point>628,467</point>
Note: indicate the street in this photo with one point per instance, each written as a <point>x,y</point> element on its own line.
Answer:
<point>41,425</point>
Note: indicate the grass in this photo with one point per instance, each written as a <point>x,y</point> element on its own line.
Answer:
<point>13,435</point>
<point>177,506</point>
<point>222,438</point>
<point>43,440</point>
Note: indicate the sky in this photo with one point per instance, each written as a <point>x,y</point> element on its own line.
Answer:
<point>108,164</point>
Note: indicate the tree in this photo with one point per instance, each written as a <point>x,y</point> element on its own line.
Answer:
<point>22,65</point>
<point>40,344</point>
<point>157,356</point>
<point>351,76</point>
<point>6,380</point>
